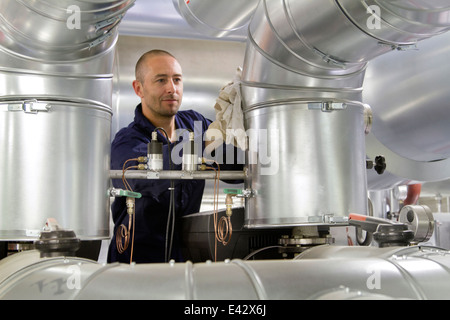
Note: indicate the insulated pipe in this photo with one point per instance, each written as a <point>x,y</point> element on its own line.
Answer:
<point>56,63</point>
<point>324,272</point>
<point>301,50</point>
<point>64,30</point>
<point>410,126</point>
<point>62,49</point>
<point>219,19</point>
<point>303,75</point>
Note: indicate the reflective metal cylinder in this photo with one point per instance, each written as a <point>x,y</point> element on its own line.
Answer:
<point>299,175</point>
<point>316,52</point>
<point>55,163</point>
<point>216,19</point>
<point>310,167</point>
<point>60,30</point>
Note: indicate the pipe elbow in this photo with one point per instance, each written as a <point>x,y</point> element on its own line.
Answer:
<point>413,194</point>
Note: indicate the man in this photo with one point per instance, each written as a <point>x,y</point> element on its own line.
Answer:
<point>159,84</point>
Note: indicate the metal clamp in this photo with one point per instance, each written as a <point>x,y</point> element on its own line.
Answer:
<point>29,106</point>
<point>100,39</point>
<point>101,26</point>
<point>327,106</point>
<point>329,59</point>
<point>400,47</point>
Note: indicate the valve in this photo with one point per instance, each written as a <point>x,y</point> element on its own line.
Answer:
<point>379,164</point>
<point>386,233</point>
<point>114,192</point>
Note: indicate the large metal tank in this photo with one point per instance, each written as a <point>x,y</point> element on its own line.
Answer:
<point>56,64</point>
<point>55,156</point>
<point>299,176</point>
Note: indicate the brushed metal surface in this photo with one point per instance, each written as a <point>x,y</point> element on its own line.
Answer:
<point>56,166</point>
<point>409,94</point>
<point>299,175</point>
<point>55,161</point>
<point>320,273</point>
<point>216,20</point>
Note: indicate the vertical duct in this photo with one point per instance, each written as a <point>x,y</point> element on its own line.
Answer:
<point>302,80</point>
<point>56,60</point>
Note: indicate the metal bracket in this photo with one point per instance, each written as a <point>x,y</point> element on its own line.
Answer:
<point>330,60</point>
<point>406,47</point>
<point>152,174</point>
<point>400,47</point>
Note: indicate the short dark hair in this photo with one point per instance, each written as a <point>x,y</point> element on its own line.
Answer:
<point>152,53</point>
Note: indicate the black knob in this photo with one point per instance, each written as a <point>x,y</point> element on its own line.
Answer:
<point>380,164</point>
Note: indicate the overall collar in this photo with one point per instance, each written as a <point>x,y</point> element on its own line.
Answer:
<point>148,127</point>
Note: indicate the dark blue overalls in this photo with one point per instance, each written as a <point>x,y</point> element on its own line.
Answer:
<point>152,209</point>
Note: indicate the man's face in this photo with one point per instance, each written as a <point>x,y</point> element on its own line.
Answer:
<point>161,90</point>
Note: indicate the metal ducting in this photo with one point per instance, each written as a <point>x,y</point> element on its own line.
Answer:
<point>325,272</point>
<point>410,117</point>
<point>56,63</point>
<point>302,80</point>
<point>219,19</point>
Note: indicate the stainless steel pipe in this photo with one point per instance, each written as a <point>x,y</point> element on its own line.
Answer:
<point>324,272</point>
<point>302,54</point>
<point>46,171</point>
<point>218,19</point>
<point>411,117</point>
<point>56,63</point>
<point>177,174</point>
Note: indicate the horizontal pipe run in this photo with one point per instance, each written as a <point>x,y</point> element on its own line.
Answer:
<point>177,174</point>
<point>326,272</point>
